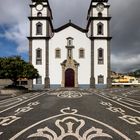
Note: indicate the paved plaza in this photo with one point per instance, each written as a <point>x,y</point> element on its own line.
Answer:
<point>72,114</point>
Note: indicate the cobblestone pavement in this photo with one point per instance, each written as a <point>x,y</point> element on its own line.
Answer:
<point>72,114</point>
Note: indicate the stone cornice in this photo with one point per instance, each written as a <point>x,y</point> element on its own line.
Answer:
<point>100,38</point>
<point>97,18</point>
<point>42,18</point>
<point>36,38</point>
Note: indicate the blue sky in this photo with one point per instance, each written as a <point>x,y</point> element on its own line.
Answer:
<point>14,28</point>
<point>8,46</point>
<point>125,45</point>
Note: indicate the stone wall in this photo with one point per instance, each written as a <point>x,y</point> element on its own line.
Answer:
<point>5,82</point>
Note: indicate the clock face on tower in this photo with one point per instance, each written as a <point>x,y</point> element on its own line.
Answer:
<point>39,7</point>
<point>100,7</point>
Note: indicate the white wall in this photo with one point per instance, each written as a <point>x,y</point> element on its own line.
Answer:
<point>41,68</point>
<point>102,68</point>
<point>59,41</point>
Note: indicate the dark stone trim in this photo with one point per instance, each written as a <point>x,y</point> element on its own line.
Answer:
<point>105,6</point>
<point>108,27</point>
<point>48,29</point>
<point>108,66</point>
<point>30,82</point>
<point>33,6</point>
<point>31,38</point>
<point>92,78</point>
<point>99,0</point>
<point>108,58</point>
<point>104,38</point>
<point>37,0</point>
<point>99,18</point>
<point>39,18</point>
<point>72,25</point>
<point>47,79</point>
<point>30,28</point>
<point>92,30</point>
<point>30,51</point>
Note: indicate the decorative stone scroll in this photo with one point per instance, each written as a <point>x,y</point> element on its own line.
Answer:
<point>69,125</point>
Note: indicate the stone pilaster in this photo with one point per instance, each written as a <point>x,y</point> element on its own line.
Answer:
<point>47,79</point>
<point>76,76</point>
<point>108,66</point>
<point>63,77</point>
<point>47,82</point>
<point>92,78</point>
<point>30,82</point>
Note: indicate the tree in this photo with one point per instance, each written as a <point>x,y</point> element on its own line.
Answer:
<point>135,73</point>
<point>15,68</point>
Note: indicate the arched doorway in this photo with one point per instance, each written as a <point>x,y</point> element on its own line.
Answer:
<point>69,78</point>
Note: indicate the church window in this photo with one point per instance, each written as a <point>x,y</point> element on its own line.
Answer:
<point>81,53</point>
<point>39,28</point>
<point>100,28</point>
<point>38,57</point>
<point>39,14</point>
<point>69,41</point>
<point>100,56</point>
<point>100,14</point>
<point>100,79</point>
<point>57,53</point>
<point>39,80</point>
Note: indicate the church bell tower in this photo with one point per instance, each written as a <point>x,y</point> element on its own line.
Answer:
<point>40,33</point>
<point>99,34</point>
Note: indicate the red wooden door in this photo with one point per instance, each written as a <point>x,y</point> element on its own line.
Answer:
<point>69,78</point>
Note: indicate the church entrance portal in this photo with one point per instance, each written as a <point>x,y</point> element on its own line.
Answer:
<point>69,78</point>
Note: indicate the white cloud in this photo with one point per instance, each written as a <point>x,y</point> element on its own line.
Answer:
<point>18,33</point>
<point>13,14</point>
<point>13,11</point>
<point>123,63</point>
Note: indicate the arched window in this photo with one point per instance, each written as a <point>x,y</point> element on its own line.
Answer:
<point>39,14</point>
<point>57,53</point>
<point>100,79</point>
<point>81,53</point>
<point>100,14</point>
<point>100,56</point>
<point>39,28</point>
<point>38,56</point>
<point>100,28</point>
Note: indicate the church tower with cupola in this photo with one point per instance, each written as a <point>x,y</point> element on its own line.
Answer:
<point>41,31</point>
<point>99,34</point>
<point>70,56</point>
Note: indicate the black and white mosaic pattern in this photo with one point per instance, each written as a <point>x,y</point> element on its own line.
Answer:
<point>71,125</point>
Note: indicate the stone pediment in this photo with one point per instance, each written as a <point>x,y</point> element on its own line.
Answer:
<point>70,63</point>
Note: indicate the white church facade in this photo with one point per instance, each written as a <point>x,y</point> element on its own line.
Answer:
<point>70,56</point>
